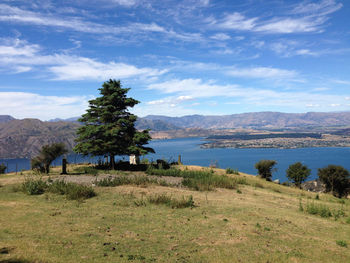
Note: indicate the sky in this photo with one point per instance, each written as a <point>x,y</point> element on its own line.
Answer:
<point>181,57</point>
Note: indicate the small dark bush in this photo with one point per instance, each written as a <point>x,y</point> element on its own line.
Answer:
<point>162,164</point>
<point>342,243</point>
<point>232,171</point>
<point>2,168</point>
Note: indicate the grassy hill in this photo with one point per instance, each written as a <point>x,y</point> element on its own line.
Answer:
<point>254,221</point>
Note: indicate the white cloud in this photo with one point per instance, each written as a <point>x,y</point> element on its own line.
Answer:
<point>18,15</point>
<point>323,7</point>
<point>237,21</point>
<point>31,105</point>
<point>304,18</point>
<point>251,97</point>
<point>79,68</point>
<point>23,57</point>
<point>220,36</point>
<point>262,72</point>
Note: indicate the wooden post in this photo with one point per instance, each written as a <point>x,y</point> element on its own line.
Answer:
<point>64,165</point>
<point>179,160</point>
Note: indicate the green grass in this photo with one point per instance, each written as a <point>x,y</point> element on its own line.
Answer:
<point>127,180</point>
<point>71,190</point>
<point>170,201</point>
<point>133,223</point>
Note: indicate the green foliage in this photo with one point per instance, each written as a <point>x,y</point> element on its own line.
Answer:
<point>2,168</point>
<point>264,168</point>
<point>171,202</point>
<point>336,179</point>
<point>71,190</point>
<point>200,180</point>
<point>47,155</point>
<point>232,171</point>
<point>342,243</point>
<point>124,180</point>
<point>321,210</point>
<point>109,128</point>
<point>34,187</point>
<point>298,173</point>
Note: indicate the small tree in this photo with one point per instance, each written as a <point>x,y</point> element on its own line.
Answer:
<point>109,127</point>
<point>2,168</point>
<point>298,173</point>
<point>264,168</point>
<point>47,155</point>
<point>336,179</point>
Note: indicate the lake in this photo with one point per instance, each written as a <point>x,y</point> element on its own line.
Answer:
<point>241,159</point>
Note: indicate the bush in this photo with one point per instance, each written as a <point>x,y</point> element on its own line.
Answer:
<point>34,187</point>
<point>172,202</point>
<point>79,192</point>
<point>124,180</point>
<point>336,179</point>
<point>264,168</point>
<point>47,155</point>
<point>231,171</point>
<point>71,190</point>
<point>2,168</point>
<point>320,210</point>
<point>342,243</point>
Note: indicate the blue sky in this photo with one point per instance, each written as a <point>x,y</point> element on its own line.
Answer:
<point>185,57</point>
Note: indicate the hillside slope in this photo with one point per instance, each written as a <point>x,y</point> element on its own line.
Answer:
<point>24,138</point>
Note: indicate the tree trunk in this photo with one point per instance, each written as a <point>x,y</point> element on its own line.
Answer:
<point>112,162</point>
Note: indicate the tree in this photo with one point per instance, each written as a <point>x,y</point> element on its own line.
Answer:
<point>336,180</point>
<point>264,168</point>
<point>298,173</point>
<point>109,128</point>
<point>47,155</point>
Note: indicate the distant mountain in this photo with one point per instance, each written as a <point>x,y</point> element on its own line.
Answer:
<point>6,118</point>
<point>260,120</point>
<point>154,125</point>
<point>24,138</point>
<point>73,119</point>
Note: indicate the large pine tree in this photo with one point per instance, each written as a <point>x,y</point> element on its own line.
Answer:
<point>109,128</point>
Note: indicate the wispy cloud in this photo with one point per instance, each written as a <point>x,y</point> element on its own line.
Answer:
<point>197,89</point>
<point>17,15</point>
<point>22,56</point>
<point>31,105</point>
<point>262,72</point>
<point>304,18</point>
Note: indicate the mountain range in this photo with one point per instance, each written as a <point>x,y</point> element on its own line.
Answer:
<point>24,138</point>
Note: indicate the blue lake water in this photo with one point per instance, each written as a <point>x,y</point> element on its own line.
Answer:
<point>241,159</point>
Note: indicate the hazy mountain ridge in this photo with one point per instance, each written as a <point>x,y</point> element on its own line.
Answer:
<point>266,120</point>
<point>24,138</point>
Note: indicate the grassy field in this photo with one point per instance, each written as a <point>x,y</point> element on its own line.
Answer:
<point>257,221</point>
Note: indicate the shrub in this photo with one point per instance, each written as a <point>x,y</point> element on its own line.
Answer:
<point>320,210</point>
<point>2,168</point>
<point>336,179</point>
<point>342,243</point>
<point>79,192</point>
<point>298,173</point>
<point>123,180</point>
<point>34,187</point>
<point>231,171</point>
<point>171,202</point>
<point>47,155</point>
<point>264,168</point>
<point>71,190</point>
